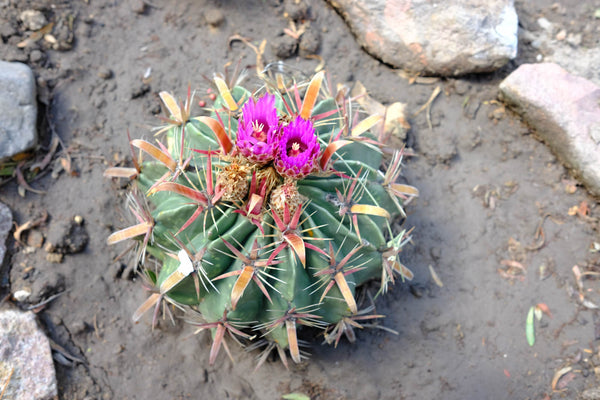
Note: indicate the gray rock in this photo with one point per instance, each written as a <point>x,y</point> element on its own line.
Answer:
<point>439,37</point>
<point>565,111</point>
<point>7,28</point>
<point>26,352</point>
<point>19,109</point>
<point>5,225</point>
<point>581,61</point>
<point>33,19</point>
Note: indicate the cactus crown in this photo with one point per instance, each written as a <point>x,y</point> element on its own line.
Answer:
<point>267,214</point>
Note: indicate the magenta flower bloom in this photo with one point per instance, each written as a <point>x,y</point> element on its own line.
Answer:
<point>258,130</point>
<point>298,149</point>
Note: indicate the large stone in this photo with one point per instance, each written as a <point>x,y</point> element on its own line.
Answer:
<point>19,109</point>
<point>26,357</point>
<point>5,226</point>
<point>439,37</point>
<point>565,111</point>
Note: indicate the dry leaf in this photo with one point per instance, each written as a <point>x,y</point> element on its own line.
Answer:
<point>583,209</point>
<point>435,276</point>
<point>395,122</point>
<point>559,374</point>
<point>543,307</point>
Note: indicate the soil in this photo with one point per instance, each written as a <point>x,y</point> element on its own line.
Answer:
<point>487,187</point>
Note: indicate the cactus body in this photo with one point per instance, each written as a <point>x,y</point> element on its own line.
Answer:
<point>279,222</point>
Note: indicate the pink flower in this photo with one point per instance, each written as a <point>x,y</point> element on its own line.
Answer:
<point>298,149</point>
<point>258,130</point>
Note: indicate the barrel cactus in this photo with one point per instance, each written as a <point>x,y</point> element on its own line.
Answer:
<point>265,215</point>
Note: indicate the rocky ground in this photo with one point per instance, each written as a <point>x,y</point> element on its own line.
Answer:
<point>500,226</point>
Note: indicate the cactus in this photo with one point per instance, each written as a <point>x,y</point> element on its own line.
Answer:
<point>266,215</point>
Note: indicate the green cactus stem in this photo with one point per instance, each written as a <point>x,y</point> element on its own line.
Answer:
<point>266,215</point>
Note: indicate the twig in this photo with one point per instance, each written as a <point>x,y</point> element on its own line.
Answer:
<point>427,106</point>
<point>539,234</point>
<point>5,298</point>
<point>29,225</point>
<point>559,330</point>
<point>43,303</point>
<point>96,328</point>
<point>22,182</point>
<point>260,50</point>
<point>58,348</point>
<point>7,382</point>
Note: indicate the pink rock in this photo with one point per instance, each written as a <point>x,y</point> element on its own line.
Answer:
<point>440,37</point>
<point>565,111</point>
<point>25,355</point>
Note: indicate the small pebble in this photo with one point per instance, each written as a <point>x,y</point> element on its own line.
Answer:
<point>562,35</point>
<point>22,295</point>
<point>55,258</point>
<point>545,24</point>
<point>214,17</point>
<point>35,239</point>
<point>139,7</point>
<point>50,39</point>
<point>33,19</point>
<point>36,56</point>
<point>105,73</point>
<point>526,36</point>
<point>7,29</point>
<point>461,87</point>
<point>119,349</point>
<point>574,39</point>
<point>536,44</point>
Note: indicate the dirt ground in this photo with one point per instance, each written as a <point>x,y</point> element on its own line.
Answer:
<point>487,187</point>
